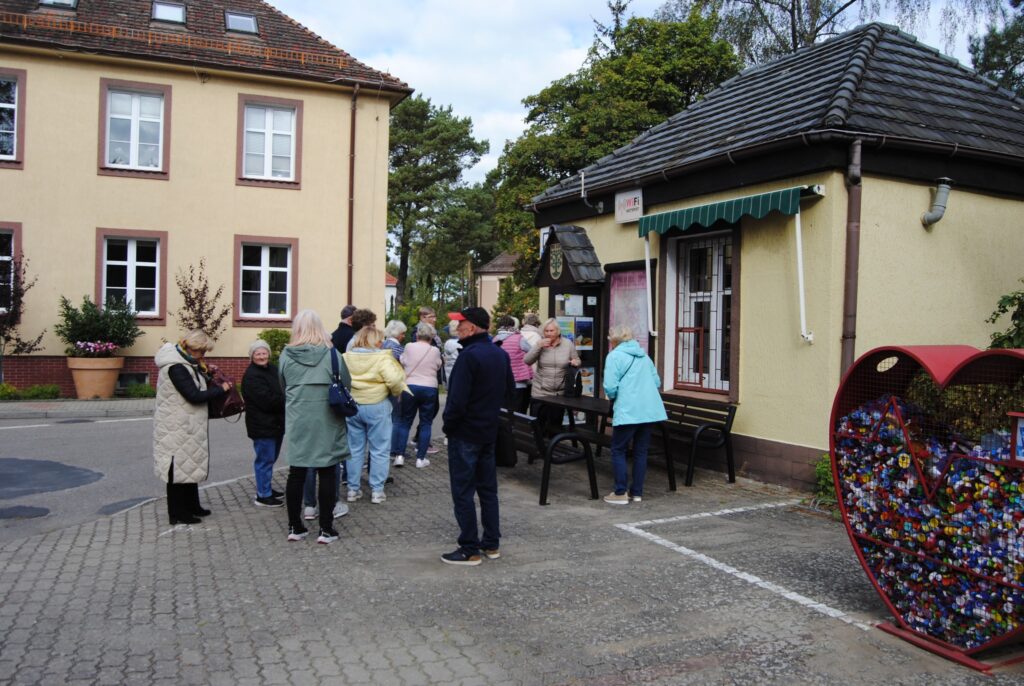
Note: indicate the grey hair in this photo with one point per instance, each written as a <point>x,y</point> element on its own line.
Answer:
<point>425,332</point>
<point>618,334</point>
<point>258,344</point>
<point>394,329</point>
<point>531,319</point>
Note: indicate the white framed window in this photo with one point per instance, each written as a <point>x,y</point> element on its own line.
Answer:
<point>6,269</point>
<point>131,272</point>
<point>168,11</point>
<point>8,118</point>
<point>135,130</point>
<point>266,281</point>
<point>72,4</point>
<point>701,316</point>
<point>240,21</point>
<point>269,147</point>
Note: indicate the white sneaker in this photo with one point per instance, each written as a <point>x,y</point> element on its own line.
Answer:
<point>378,497</point>
<point>353,496</point>
<point>399,460</point>
<point>420,464</point>
<point>636,499</point>
<point>309,513</point>
<point>340,510</point>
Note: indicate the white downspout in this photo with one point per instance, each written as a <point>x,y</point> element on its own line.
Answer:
<point>650,300</point>
<point>804,333</point>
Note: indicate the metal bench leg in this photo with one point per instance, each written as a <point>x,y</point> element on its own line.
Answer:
<point>545,478</point>
<point>670,465</point>
<point>591,472</point>
<point>691,463</point>
<point>729,461</point>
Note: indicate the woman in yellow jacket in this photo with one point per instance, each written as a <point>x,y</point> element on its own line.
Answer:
<point>376,375</point>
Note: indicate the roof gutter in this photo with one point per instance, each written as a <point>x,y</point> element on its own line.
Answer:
<point>822,136</point>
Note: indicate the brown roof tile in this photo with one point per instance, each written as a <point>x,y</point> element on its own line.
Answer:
<point>123,28</point>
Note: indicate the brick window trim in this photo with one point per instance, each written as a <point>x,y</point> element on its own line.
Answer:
<point>264,322</point>
<point>21,76</point>
<point>102,234</point>
<point>240,178</point>
<point>106,85</point>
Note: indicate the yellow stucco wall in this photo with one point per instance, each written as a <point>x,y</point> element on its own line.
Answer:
<point>916,286</point>
<point>60,200</point>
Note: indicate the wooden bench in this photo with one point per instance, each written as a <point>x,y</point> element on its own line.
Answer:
<point>528,437</point>
<point>602,439</point>
<point>701,424</point>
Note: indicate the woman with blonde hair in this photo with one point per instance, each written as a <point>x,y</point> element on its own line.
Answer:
<point>181,423</point>
<point>554,354</point>
<point>376,375</point>
<point>317,437</point>
<point>631,381</point>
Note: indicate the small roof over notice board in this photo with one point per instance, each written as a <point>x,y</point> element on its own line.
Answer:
<point>568,259</point>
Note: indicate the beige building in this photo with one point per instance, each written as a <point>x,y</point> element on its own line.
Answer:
<point>489,277</point>
<point>786,236</point>
<point>137,139</point>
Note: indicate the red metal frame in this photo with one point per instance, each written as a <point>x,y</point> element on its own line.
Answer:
<point>948,365</point>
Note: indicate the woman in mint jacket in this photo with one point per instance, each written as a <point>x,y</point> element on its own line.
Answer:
<point>632,382</point>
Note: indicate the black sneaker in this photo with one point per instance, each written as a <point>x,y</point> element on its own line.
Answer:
<point>268,502</point>
<point>276,493</point>
<point>459,557</point>
<point>327,536</point>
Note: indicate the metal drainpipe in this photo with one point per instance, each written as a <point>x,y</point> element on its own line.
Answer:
<point>850,279</point>
<point>352,194</point>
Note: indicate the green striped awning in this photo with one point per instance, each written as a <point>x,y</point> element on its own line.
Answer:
<point>786,201</point>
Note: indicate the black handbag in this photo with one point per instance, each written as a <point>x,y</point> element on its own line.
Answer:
<point>227,405</point>
<point>341,401</point>
<point>573,382</point>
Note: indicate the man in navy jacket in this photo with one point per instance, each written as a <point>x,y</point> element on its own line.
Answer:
<point>481,384</point>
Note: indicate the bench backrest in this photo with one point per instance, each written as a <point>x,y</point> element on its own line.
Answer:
<point>526,432</point>
<point>692,412</point>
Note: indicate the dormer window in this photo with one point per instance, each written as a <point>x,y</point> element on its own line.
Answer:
<point>168,11</point>
<point>241,22</point>
<point>67,4</point>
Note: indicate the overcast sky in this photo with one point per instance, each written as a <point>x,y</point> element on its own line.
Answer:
<point>480,57</point>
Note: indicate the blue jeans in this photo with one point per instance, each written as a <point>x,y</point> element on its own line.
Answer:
<point>396,417</point>
<point>370,430</point>
<point>640,435</point>
<point>423,401</point>
<point>472,471</point>
<point>267,450</point>
<point>309,492</point>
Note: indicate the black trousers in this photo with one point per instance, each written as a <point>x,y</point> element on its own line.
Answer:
<point>327,495</point>
<point>182,499</point>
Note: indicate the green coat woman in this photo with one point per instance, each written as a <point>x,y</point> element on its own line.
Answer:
<point>315,436</point>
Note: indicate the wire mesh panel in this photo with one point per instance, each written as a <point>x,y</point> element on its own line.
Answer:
<point>929,469</point>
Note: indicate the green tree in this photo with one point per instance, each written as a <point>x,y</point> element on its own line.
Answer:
<point>430,148</point>
<point>762,30</point>
<point>1013,336</point>
<point>639,73</point>
<point>999,54</point>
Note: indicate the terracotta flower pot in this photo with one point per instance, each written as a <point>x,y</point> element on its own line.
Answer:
<point>95,377</point>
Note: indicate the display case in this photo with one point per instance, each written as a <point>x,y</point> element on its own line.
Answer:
<point>925,446</point>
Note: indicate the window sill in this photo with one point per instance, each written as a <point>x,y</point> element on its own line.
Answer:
<point>150,320</point>
<point>268,183</point>
<point>12,164</point>
<point>133,173</point>
<point>262,322</point>
<point>713,396</point>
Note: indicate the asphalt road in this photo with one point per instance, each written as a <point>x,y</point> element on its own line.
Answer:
<point>78,470</point>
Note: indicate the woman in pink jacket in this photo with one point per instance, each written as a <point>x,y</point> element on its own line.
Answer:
<point>421,360</point>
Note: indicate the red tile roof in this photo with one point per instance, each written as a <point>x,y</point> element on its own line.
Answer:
<point>390,280</point>
<point>123,28</point>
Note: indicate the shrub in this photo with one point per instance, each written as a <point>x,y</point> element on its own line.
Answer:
<point>824,486</point>
<point>47,391</point>
<point>9,392</point>
<point>113,323</point>
<point>277,339</point>
<point>139,390</point>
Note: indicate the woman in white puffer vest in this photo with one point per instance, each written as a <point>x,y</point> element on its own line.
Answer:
<point>181,424</point>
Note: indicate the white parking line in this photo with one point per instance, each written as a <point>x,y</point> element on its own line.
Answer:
<point>77,424</point>
<point>793,596</point>
<point>23,426</point>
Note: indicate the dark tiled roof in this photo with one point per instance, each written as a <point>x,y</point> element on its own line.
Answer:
<point>875,80</point>
<point>505,263</point>
<point>578,253</point>
<point>123,28</point>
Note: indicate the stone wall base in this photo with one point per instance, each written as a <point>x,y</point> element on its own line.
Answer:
<point>31,370</point>
<point>769,461</point>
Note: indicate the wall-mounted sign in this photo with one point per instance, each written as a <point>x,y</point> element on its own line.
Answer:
<point>629,206</point>
<point>555,260</point>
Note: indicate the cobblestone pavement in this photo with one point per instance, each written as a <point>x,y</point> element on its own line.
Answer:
<point>585,593</point>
